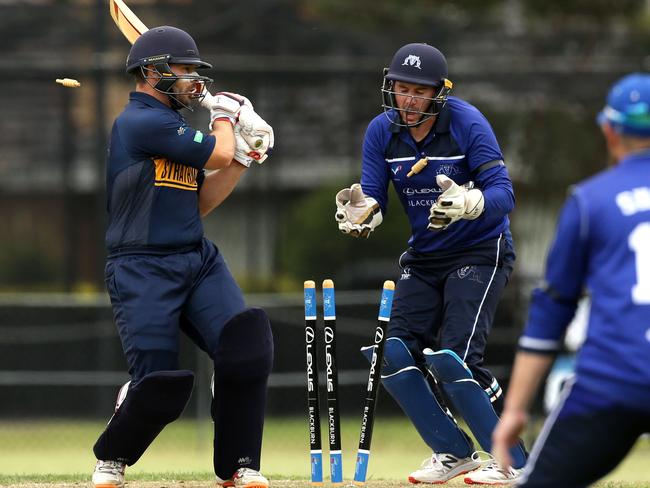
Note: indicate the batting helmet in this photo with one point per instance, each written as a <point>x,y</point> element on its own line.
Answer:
<point>166,42</point>
<point>628,106</point>
<point>420,64</point>
<point>161,46</point>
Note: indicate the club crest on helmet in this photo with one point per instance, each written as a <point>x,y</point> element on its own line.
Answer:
<point>412,60</point>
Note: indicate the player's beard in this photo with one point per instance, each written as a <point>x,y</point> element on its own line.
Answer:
<point>185,92</point>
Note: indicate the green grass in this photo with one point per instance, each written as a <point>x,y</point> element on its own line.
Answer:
<point>52,451</point>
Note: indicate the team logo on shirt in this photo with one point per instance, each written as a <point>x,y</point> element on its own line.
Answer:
<point>448,170</point>
<point>396,169</point>
<point>181,130</point>
<point>175,175</point>
<point>412,60</point>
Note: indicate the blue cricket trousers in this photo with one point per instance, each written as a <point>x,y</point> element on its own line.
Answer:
<point>447,300</point>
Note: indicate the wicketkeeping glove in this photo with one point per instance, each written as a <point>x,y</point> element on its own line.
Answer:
<point>356,214</point>
<point>455,203</point>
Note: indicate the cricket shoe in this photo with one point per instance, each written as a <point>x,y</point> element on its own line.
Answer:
<point>109,474</point>
<point>245,478</point>
<point>493,474</point>
<point>440,468</point>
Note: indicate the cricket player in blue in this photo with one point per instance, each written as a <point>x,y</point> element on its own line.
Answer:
<point>602,245</point>
<point>447,169</point>
<point>164,277</point>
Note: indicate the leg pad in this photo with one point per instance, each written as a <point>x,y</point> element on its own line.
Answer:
<point>407,385</point>
<point>242,364</point>
<point>468,398</point>
<point>144,409</point>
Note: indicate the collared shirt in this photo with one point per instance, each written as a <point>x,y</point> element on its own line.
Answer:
<point>602,244</point>
<point>154,172</point>
<point>462,146</point>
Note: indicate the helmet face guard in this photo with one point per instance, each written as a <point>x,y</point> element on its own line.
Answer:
<point>161,78</point>
<point>419,64</point>
<point>436,103</point>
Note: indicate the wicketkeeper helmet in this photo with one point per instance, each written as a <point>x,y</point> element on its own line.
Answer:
<point>421,64</point>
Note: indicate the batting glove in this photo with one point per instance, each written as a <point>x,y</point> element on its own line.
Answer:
<point>455,203</point>
<point>224,106</point>
<point>244,154</point>
<point>257,133</point>
<point>357,214</point>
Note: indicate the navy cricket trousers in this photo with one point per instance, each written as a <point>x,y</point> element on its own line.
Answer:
<point>155,297</point>
<point>447,300</point>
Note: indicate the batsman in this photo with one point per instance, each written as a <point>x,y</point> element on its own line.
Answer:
<point>446,166</point>
<point>164,277</point>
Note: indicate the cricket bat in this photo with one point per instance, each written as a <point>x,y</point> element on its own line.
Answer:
<point>127,21</point>
<point>132,28</point>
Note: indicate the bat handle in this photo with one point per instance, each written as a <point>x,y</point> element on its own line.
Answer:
<point>68,82</point>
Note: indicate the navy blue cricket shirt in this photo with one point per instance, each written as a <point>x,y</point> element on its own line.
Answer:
<point>154,172</point>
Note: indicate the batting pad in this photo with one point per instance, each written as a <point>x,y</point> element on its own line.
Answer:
<point>156,400</point>
<point>242,363</point>
<point>468,398</point>
<point>407,385</point>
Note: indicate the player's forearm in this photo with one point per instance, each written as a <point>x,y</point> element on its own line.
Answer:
<point>218,185</point>
<point>499,198</point>
<point>374,175</point>
<point>224,149</point>
<point>497,191</point>
<point>527,373</point>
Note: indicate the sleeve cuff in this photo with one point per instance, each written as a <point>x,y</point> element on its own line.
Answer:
<point>542,346</point>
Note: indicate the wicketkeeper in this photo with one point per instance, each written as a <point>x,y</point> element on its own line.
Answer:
<point>445,164</point>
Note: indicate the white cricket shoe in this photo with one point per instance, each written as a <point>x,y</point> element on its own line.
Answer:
<point>440,468</point>
<point>109,474</point>
<point>492,474</point>
<point>245,478</point>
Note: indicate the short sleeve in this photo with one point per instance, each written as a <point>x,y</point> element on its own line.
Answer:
<point>157,133</point>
